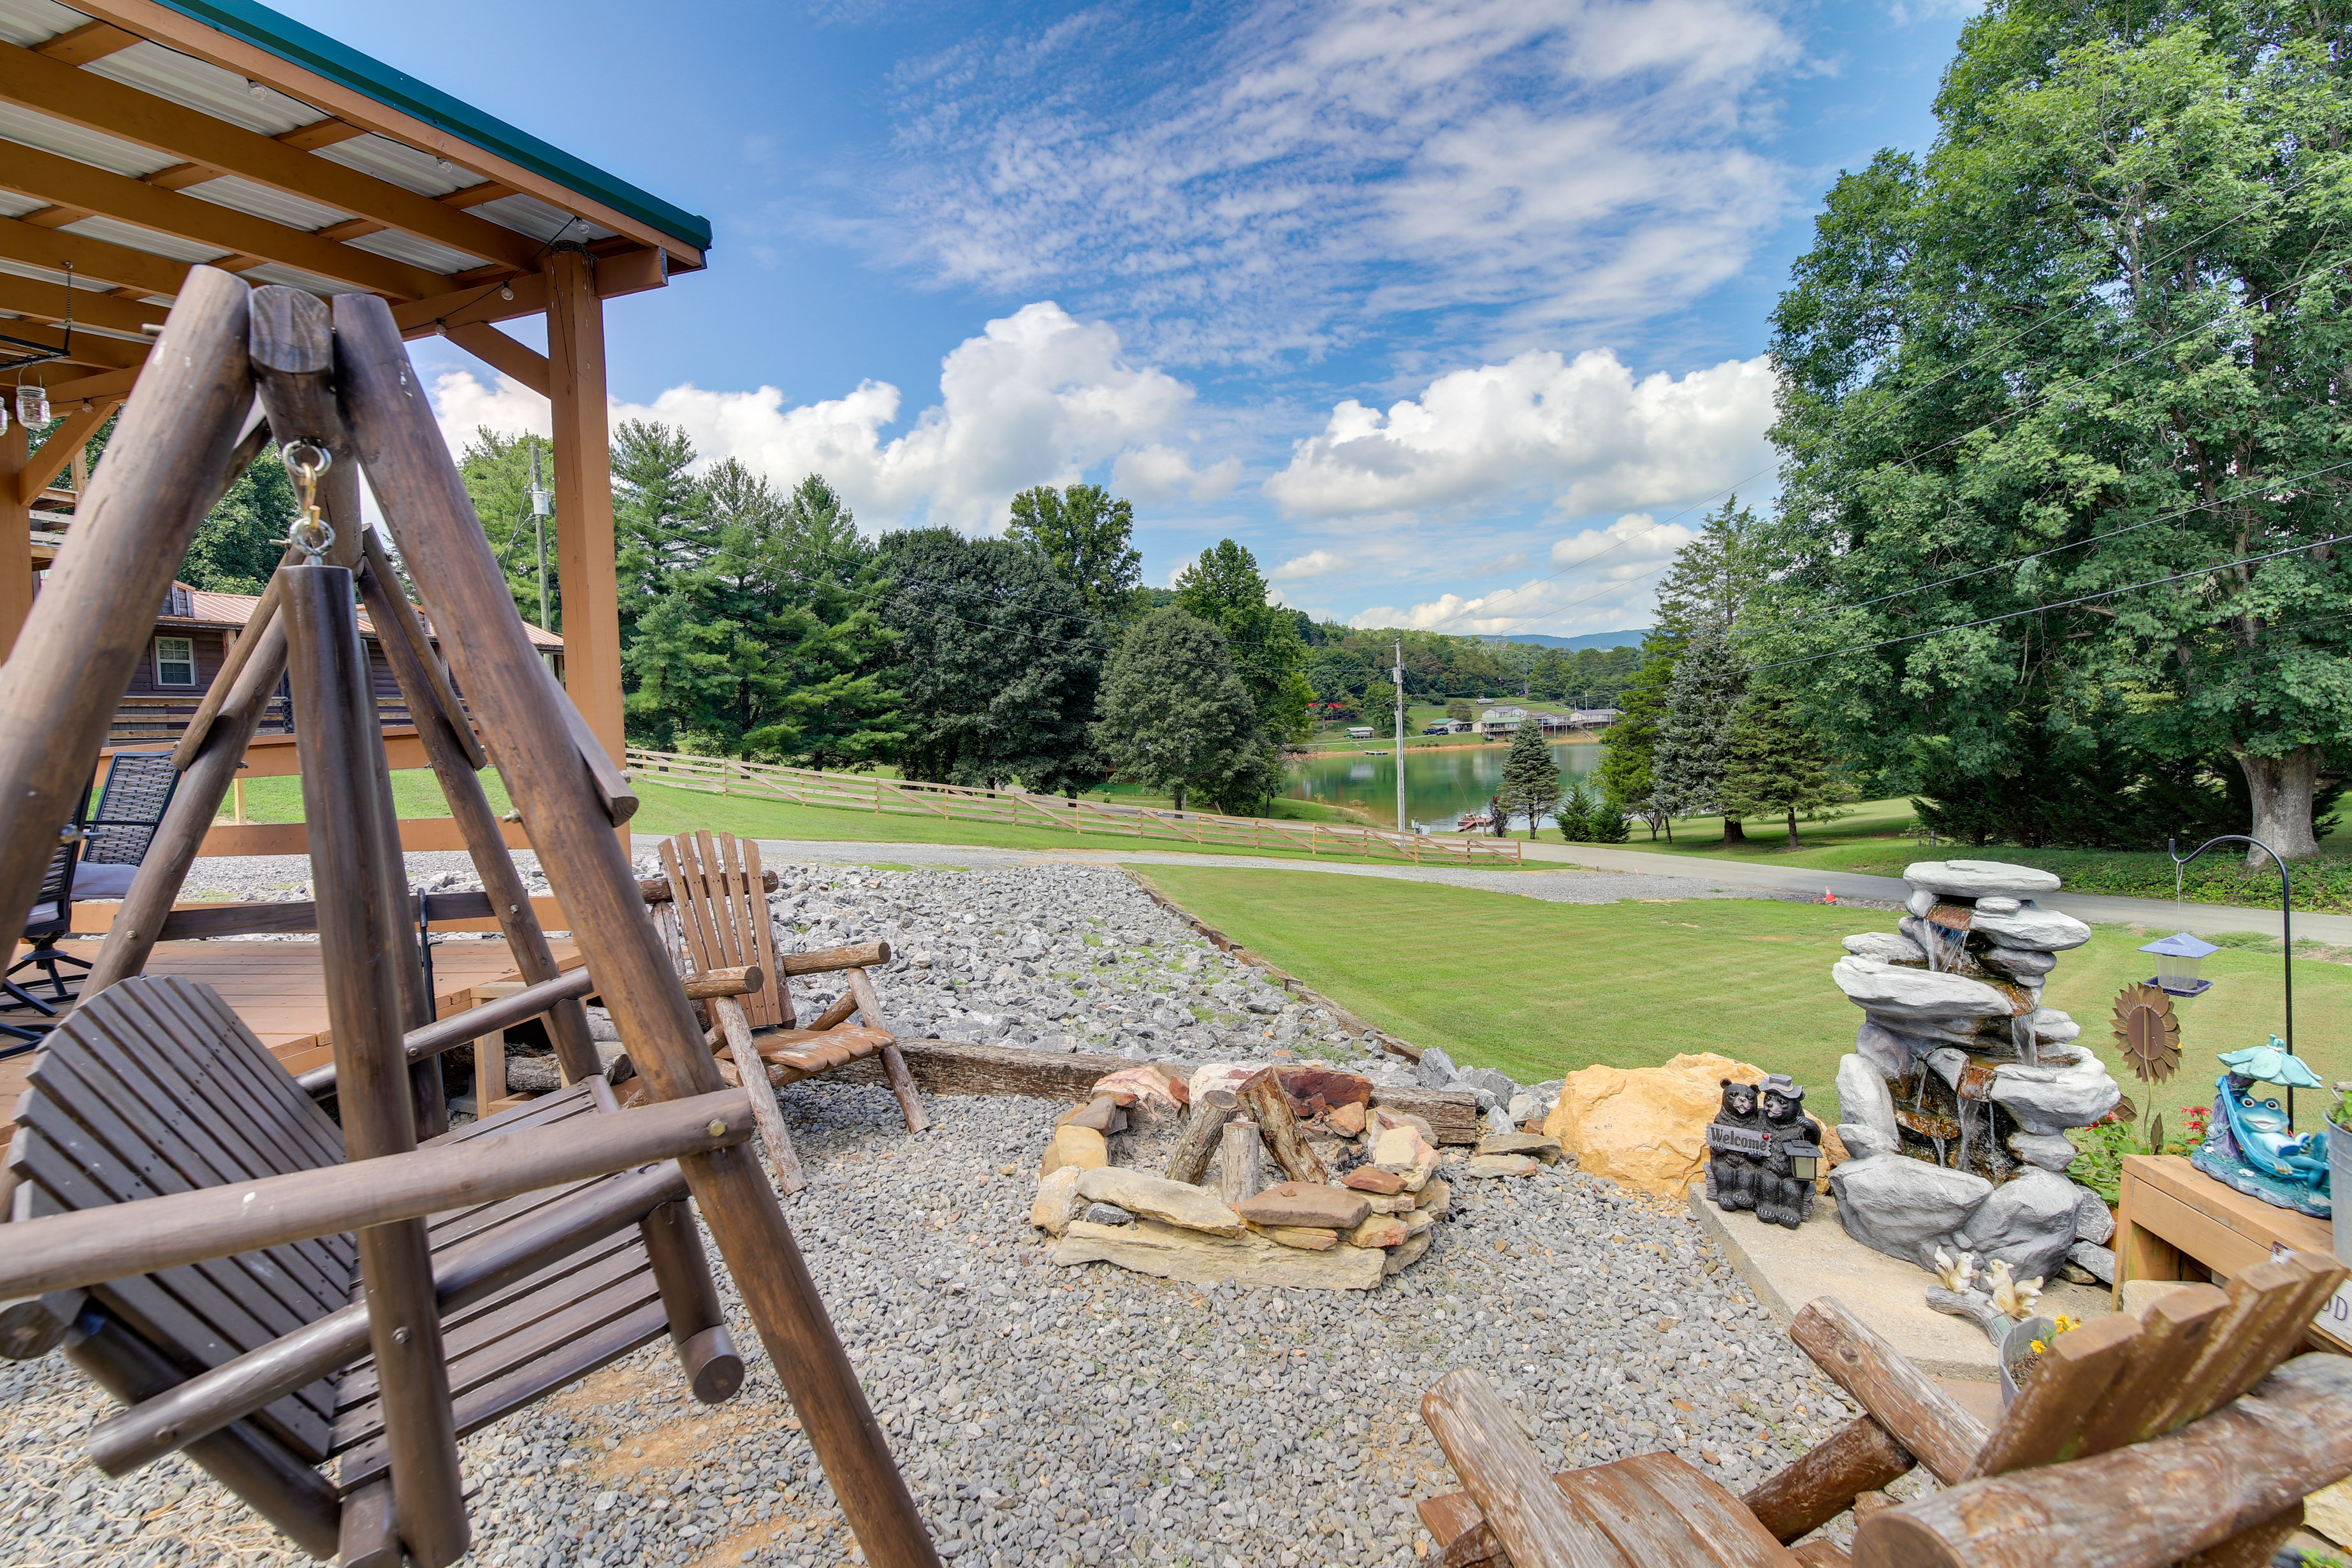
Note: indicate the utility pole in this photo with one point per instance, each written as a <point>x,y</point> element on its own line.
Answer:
<point>1396,675</point>
<point>539,498</point>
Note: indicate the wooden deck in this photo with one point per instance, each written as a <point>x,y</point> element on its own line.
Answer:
<point>277,988</point>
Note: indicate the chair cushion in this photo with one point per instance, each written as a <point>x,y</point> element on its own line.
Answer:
<point>103,880</point>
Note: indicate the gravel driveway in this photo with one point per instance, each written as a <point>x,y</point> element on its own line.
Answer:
<point>1055,1417</point>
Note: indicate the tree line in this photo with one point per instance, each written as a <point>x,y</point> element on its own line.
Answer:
<point>2058,547</point>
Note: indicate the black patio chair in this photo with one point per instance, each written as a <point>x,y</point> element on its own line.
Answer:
<point>48,919</point>
<point>139,786</point>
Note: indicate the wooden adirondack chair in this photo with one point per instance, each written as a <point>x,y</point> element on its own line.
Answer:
<point>258,1366</point>
<point>2178,1439</point>
<point>717,901</point>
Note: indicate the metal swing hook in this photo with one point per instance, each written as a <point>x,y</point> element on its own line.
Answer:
<point>308,533</point>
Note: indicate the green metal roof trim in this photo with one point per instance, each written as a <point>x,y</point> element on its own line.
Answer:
<point>292,41</point>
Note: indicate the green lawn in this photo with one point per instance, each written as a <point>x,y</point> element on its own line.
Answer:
<point>1539,990</point>
<point>1874,840</point>
<point>414,792</point>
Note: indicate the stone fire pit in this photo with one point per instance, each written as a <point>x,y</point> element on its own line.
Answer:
<point>1269,1175</point>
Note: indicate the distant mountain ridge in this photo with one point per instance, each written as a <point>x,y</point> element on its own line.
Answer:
<point>1591,639</point>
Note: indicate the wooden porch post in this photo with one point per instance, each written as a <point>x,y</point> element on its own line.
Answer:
<point>16,537</point>
<point>584,494</point>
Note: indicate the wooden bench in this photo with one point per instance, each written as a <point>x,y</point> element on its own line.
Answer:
<point>258,1364</point>
<point>2180,1439</point>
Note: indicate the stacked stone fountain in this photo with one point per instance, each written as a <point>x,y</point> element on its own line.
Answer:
<point>1958,1095</point>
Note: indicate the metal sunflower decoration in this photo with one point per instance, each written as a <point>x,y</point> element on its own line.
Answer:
<point>2146,1031</point>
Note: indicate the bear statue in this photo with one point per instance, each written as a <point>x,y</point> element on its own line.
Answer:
<point>1735,1143</point>
<point>1784,1184</point>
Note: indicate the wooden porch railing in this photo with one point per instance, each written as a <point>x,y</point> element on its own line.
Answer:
<point>142,719</point>
<point>1080,818</point>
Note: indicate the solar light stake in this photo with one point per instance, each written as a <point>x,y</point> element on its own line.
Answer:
<point>2286,927</point>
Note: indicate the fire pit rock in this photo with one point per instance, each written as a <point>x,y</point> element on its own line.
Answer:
<point>1356,1196</point>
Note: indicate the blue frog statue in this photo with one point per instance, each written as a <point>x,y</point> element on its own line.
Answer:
<point>2252,1147</point>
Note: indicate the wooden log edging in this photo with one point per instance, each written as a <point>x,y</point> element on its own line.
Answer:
<point>957,1067</point>
<point>1288,981</point>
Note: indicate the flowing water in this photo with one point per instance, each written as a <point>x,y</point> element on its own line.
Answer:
<point>1442,784</point>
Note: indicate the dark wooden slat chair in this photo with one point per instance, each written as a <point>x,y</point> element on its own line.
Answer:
<point>2187,1437</point>
<point>154,1088</point>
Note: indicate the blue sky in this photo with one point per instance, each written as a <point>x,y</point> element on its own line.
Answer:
<point>1445,308</point>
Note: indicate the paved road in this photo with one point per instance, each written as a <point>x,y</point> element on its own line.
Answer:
<point>1590,875</point>
<point>2097,908</point>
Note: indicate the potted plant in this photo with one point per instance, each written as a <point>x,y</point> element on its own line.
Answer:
<point>2024,1343</point>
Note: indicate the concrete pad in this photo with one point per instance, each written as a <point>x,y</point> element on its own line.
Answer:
<point>1787,1269</point>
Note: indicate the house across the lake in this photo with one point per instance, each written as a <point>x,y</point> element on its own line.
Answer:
<point>193,636</point>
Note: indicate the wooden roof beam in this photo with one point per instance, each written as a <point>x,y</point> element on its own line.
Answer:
<point>627,272</point>
<point>476,196</point>
<point>88,349</point>
<point>323,133</point>
<point>47,302</point>
<point>39,245</point>
<point>95,103</point>
<point>193,35</point>
<point>503,354</point>
<point>62,445</point>
<point>47,177</point>
<point>90,41</point>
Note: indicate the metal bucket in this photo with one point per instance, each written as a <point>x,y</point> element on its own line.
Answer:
<point>2340,1183</point>
<point>2015,1344</point>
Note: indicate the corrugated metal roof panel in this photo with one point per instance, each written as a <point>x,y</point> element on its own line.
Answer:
<point>13,206</point>
<point>428,254</point>
<point>131,235</point>
<point>265,201</point>
<point>203,86</point>
<point>111,153</point>
<point>24,23</point>
<point>529,214</point>
<point>400,164</point>
<point>295,278</point>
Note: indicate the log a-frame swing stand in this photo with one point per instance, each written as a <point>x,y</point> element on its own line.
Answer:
<point>340,397</point>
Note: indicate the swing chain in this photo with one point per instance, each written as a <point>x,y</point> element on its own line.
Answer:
<point>310,532</point>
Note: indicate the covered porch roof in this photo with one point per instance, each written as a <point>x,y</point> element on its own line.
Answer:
<point>139,138</point>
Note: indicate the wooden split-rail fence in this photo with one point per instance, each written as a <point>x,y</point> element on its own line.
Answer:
<point>1080,818</point>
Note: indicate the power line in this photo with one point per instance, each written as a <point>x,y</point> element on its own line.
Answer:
<point>2060,604</point>
<point>1890,409</point>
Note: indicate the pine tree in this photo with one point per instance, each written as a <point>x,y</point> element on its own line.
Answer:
<point>496,469</point>
<point>1627,775</point>
<point>1779,764</point>
<point>1531,784</point>
<point>238,547</point>
<point>1694,748</point>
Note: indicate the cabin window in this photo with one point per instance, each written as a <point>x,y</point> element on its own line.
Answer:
<point>175,661</point>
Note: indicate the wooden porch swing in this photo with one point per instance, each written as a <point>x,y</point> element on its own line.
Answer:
<point>268,1291</point>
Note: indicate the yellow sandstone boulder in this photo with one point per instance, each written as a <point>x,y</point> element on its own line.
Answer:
<point>1082,1147</point>
<point>1645,1127</point>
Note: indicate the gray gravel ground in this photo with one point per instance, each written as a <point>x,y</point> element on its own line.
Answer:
<point>1048,1415</point>
<point>1057,1417</point>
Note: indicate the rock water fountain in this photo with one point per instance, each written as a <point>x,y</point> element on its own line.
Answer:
<point>1961,1086</point>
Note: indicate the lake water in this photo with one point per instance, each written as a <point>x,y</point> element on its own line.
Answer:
<point>1441,784</point>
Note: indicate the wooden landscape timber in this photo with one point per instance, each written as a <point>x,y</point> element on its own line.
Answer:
<point>2222,1488</point>
<point>1080,818</point>
<point>955,1066</point>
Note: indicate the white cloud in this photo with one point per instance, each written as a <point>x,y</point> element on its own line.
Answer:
<point>1037,398</point>
<point>1314,563</point>
<point>1582,430</point>
<point>1279,179</point>
<point>1157,473</point>
<point>1603,579</point>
